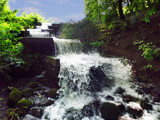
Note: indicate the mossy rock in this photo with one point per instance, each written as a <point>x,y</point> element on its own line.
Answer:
<point>109,111</point>
<point>34,85</point>
<point>14,97</point>
<point>52,93</point>
<point>27,92</point>
<point>24,104</point>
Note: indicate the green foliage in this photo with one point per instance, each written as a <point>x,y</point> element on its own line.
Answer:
<point>1,99</point>
<point>149,51</point>
<point>109,10</point>
<point>10,27</point>
<point>149,13</point>
<point>84,30</point>
<point>147,67</point>
<point>97,43</point>
<point>14,114</point>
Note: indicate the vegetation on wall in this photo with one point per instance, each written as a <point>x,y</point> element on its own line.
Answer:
<point>10,27</point>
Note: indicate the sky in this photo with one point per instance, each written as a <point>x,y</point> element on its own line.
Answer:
<point>59,10</point>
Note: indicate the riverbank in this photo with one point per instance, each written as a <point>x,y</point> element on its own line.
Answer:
<point>125,43</point>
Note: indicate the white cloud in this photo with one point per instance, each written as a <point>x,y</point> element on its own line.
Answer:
<point>13,1</point>
<point>76,16</point>
<point>38,3</point>
<point>29,10</point>
<point>57,20</point>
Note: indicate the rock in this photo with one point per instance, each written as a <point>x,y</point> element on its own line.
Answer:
<point>27,92</point>
<point>119,91</point>
<point>44,102</point>
<point>34,85</point>
<point>14,96</point>
<point>146,105</point>
<point>24,104</point>
<point>109,98</point>
<point>52,68</point>
<point>109,111</point>
<point>52,93</point>
<point>98,78</point>
<point>129,98</point>
<point>121,107</point>
<point>37,111</point>
<point>134,110</point>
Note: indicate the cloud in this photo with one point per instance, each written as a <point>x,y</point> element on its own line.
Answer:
<point>76,16</point>
<point>38,3</point>
<point>57,20</point>
<point>13,1</point>
<point>29,10</point>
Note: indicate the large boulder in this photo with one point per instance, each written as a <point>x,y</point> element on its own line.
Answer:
<point>52,68</point>
<point>52,93</point>
<point>109,111</point>
<point>99,77</point>
<point>27,92</point>
<point>37,111</point>
<point>134,110</point>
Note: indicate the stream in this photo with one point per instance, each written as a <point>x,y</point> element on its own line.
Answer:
<point>87,80</point>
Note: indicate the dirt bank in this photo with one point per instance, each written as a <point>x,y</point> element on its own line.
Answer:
<point>123,45</point>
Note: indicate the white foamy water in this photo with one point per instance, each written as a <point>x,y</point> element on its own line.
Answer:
<point>78,89</point>
<point>37,33</point>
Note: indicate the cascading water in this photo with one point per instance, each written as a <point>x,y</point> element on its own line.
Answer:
<point>80,89</point>
<point>38,33</point>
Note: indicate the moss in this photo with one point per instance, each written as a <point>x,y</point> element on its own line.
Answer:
<point>27,92</point>
<point>13,89</point>
<point>14,97</point>
<point>52,93</point>
<point>24,103</point>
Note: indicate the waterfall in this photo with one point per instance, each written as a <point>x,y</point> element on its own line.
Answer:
<point>79,91</point>
<point>40,31</point>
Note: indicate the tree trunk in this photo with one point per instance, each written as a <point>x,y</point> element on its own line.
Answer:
<point>120,10</point>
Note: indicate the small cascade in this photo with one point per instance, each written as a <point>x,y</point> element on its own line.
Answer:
<point>64,46</point>
<point>40,31</point>
<point>87,81</point>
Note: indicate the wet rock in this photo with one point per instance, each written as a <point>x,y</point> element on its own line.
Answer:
<point>109,111</point>
<point>37,111</point>
<point>119,91</point>
<point>34,85</point>
<point>129,98</point>
<point>52,68</point>
<point>45,102</point>
<point>98,78</point>
<point>52,93</point>
<point>109,98</point>
<point>146,105</point>
<point>121,107</point>
<point>27,92</point>
<point>134,110</point>
<point>24,104</point>
<point>14,96</point>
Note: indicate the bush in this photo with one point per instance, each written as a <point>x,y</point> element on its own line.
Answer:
<point>149,51</point>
